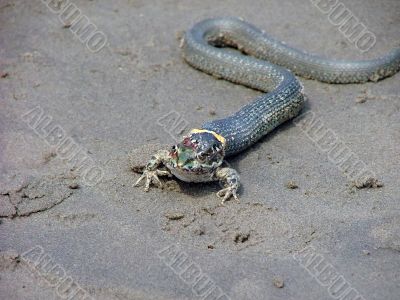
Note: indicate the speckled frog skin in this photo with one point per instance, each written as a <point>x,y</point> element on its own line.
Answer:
<point>200,155</point>
<point>198,158</point>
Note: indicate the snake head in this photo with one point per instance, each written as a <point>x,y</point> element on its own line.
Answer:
<point>200,152</point>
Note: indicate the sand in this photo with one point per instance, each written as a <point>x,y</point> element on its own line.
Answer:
<point>115,241</point>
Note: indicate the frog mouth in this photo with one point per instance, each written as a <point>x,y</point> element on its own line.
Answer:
<point>193,170</point>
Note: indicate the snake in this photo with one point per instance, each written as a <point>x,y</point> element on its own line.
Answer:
<point>232,49</point>
<point>265,68</point>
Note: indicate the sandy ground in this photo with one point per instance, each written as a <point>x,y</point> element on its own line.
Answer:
<point>300,218</point>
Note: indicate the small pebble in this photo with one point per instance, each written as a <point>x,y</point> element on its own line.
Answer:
<point>291,185</point>
<point>73,185</point>
<point>361,99</point>
<point>199,231</point>
<point>278,282</point>
<point>369,182</point>
<point>212,112</point>
<point>366,252</point>
<point>241,237</point>
<point>174,215</point>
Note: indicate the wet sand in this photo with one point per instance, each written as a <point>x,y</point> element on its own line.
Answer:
<point>300,215</point>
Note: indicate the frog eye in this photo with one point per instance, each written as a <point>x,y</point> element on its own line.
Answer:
<point>173,149</point>
<point>202,156</point>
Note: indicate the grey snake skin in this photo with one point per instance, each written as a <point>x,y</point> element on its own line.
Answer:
<point>265,68</point>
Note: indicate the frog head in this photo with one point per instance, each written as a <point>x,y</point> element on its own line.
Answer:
<point>200,152</point>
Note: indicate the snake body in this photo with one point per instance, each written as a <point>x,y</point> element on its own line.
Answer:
<point>265,68</point>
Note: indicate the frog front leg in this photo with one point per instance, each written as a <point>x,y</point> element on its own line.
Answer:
<point>230,179</point>
<point>152,171</point>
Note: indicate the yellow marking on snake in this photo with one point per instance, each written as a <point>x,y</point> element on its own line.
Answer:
<point>216,135</point>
